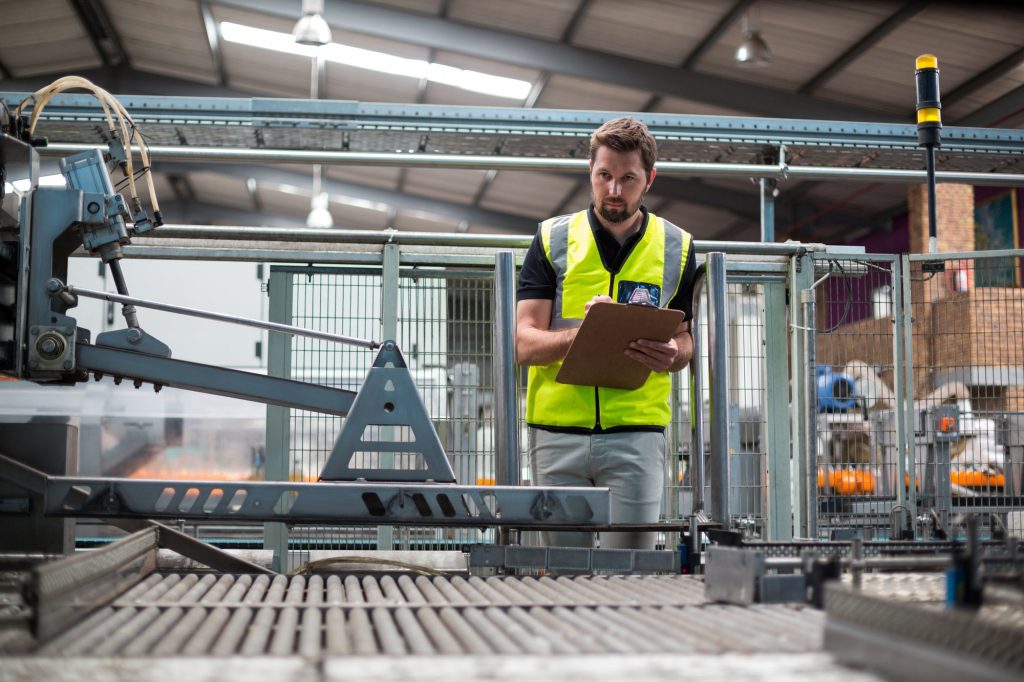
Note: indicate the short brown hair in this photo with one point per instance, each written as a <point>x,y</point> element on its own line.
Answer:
<point>626,135</point>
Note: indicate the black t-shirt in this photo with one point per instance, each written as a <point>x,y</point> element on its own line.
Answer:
<point>537,277</point>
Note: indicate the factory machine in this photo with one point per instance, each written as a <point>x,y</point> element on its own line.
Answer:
<point>158,602</point>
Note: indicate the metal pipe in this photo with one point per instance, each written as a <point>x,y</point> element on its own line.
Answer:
<point>807,297</point>
<point>222,317</point>
<point>767,187</point>
<point>486,162</point>
<point>697,455</point>
<point>506,403</point>
<point>933,244</point>
<point>879,563</point>
<point>697,398</point>
<point>718,342</point>
<point>245,233</point>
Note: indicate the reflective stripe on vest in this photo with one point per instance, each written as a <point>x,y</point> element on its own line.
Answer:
<point>657,260</point>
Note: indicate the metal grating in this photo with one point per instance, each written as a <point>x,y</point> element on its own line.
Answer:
<point>188,615</point>
<point>370,127</point>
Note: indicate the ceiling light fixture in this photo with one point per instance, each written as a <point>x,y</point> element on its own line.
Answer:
<point>312,28</point>
<point>466,79</point>
<point>753,51</point>
<point>319,216</point>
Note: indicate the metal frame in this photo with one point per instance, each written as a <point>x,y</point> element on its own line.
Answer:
<point>324,503</point>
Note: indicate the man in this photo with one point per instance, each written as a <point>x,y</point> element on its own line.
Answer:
<point>615,250</point>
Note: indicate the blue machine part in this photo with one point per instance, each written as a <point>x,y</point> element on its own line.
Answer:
<point>835,390</point>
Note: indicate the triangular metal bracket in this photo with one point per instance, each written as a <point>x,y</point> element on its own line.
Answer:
<point>388,398</point>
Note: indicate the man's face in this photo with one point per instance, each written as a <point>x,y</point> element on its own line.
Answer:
<point>618,183</point>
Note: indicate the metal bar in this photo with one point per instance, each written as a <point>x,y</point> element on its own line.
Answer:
<point>278,434</point>
<point>718,341</point>
<point>777,427</point>
<point>907,379</point>
<point>801,277</point>
<point>215,380</point>
<point>190,547</point>
<point>429,239</point>
<point>329,503</point>
<point>962,255</point>
<point>213,40</point>
<point>767,188</point>
<point>809,386</point>
<point>901,315</point>
<point>221,317</point>
<point>389,328</point>
<point>506,417</point>
<point>697,454</point>
<point>482,162</point>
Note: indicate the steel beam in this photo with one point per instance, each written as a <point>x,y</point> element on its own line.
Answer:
<point>988,75</point>
<point>400,200</point>
<point>405,504</point>
<point>125,80</point>
<point>213,39</point>
<point>995,113</point>
<point>100,29</point>
<point>546,55</point>
<point>870,39</point>
<point>214,380</point>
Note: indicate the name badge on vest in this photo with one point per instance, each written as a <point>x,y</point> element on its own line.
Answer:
<point>639,293</point>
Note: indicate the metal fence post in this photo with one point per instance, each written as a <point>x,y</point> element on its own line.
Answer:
<point>779,512</point>
<point>506,403</point>
<point>900,313</point>
<point>718,340</point>
<point>810,462</point>
<point>768,187</point>
<point>907,406</point>
<point>801,277</point>
<point>278,436</point>
<point>389,330</point>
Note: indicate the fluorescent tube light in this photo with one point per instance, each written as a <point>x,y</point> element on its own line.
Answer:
<point>475,81</point>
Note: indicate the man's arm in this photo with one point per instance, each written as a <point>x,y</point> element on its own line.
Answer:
<point>664,356</point>
<point>536,342</point>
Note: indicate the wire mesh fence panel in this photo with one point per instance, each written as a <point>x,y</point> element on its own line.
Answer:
<point>338,301</point>
<point>855,398</point>
<point>968,325</point>
<point>746,412</point>
<point>445,320</point>
<point>444,330</point>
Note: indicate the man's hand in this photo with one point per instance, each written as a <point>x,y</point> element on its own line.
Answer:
<point>656,355</point>
<point>663,356</point>
<point>596,299</point>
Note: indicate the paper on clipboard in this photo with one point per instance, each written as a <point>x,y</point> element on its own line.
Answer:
<point>596,356</point>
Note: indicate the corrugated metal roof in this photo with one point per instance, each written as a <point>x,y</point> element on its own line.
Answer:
<point>442,183</point>
<point>527,194</point>
<point>540,18</point>
<point>165,37</point>
<point>43,36</point>
<point>566,92</point>
<point>655,31</point>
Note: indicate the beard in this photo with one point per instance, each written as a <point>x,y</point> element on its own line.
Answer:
<point>619,213</point>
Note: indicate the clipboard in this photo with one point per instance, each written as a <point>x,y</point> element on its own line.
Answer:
<point>596,356</point>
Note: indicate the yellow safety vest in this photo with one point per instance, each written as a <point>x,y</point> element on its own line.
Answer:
<point>656,262</point>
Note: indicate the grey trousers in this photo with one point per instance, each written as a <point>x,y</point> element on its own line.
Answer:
<point>630,465</point>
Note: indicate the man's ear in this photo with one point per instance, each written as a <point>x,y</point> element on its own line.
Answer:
<point>650,178</point>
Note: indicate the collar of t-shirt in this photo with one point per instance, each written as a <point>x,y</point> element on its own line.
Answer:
<point>613,255</point>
